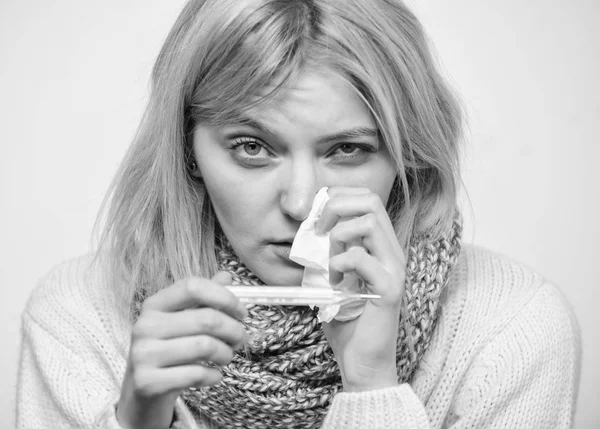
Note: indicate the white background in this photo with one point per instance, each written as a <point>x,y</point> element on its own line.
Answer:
<point>73,82</point>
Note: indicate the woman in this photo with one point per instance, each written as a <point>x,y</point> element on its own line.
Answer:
<point>255,106</point>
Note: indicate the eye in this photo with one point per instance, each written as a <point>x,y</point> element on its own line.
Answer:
<point>352,152</point>
<point>348,148</point>
<point>252,148</point>
<point>250,152</point>
<point>249,147</point>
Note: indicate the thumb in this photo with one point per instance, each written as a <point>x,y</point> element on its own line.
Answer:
<point>223,278</point>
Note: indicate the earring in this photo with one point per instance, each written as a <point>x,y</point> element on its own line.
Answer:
<point>192,166</point>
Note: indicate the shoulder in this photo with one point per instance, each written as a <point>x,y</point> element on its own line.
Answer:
<point>518,339</point>
<point>63,287</point>
<point>497,273</point>
<point>491,283</point>
<point>70,304</point>
<point>492,293</point>
<point>503,329</point>
<point>507,341</point>
<point>69,356</point>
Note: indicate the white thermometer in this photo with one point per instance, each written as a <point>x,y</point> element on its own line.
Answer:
<point>295,295</point>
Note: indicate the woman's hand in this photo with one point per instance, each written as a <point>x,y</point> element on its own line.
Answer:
<point>182,332</point>
<point>363,241</point>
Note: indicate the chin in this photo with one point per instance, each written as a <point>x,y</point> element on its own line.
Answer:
<point>273,268</point>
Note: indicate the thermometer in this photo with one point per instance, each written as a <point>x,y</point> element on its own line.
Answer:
<point>296,295</point>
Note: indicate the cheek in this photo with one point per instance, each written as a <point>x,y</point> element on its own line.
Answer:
<point>229,201</point>
<point>241,204</point>
<point>378,178</point>
<point>383,177</point>
<point>385,187</point>
<point>223,183</point>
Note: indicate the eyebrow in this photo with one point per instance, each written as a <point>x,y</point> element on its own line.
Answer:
<point>353,133</point>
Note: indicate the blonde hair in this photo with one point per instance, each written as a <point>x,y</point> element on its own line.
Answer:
<point>159,225</point>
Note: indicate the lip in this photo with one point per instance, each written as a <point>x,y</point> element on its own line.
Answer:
<point>282,240</point>
<point>282,249</point>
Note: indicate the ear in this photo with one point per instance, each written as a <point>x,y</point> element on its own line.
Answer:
<point>193,170</point>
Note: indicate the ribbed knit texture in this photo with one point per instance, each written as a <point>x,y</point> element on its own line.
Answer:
<point>505,353</point>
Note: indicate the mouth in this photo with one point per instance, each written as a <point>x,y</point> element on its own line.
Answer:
<point>282,245</point>
<point>282,249</point>
<point>282,242</point>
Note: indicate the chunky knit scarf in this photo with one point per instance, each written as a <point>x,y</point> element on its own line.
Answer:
<point>287,376</point>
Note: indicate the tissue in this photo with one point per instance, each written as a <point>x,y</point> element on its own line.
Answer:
<point>312,251</point>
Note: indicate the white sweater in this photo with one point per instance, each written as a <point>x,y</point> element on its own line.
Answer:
<point>505,354</point>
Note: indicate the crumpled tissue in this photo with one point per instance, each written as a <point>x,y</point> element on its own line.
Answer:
<point>312,251</point>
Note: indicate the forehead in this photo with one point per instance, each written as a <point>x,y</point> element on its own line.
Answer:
<point>320,100</point>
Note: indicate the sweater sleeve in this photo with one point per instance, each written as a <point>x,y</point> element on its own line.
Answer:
<point>57,388</point>
<point>70,368</point>
<point>525,376</point>
<point>394,407</point>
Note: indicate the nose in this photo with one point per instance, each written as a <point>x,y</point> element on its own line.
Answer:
<point>299,185</point>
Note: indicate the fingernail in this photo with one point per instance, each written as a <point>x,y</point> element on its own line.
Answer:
<point>318,228</point>
<point>242,311</point>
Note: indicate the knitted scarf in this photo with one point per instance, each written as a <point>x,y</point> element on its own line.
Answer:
<point>287,376</point>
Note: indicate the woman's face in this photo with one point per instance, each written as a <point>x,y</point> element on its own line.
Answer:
<point>262,175</point>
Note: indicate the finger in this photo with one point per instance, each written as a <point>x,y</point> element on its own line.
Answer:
<point>222,278</point>
<point>195,292</point>
<point>365,231</point>
<point>186,351</point>
<point>350,206</point>
<point>333,193</point>
<point>377,279</point>
<point>225,279</point>
<point>335,248</point>
<point>151,382</point>
<point>207,321</point>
